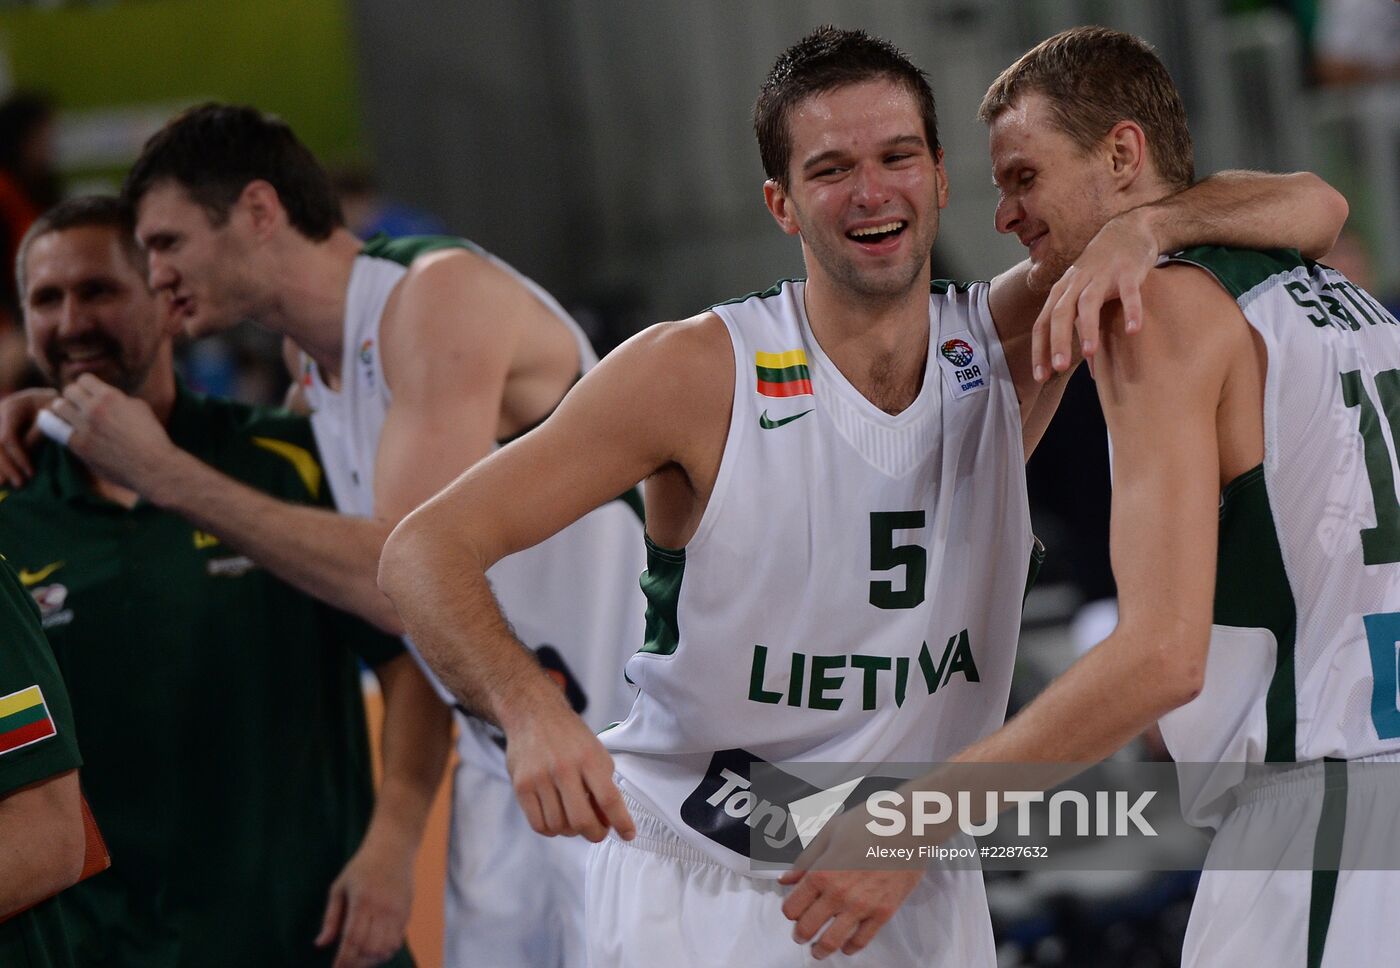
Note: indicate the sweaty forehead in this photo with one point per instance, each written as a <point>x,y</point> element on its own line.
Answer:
<point>1022,134</point>
<point>867,106</point>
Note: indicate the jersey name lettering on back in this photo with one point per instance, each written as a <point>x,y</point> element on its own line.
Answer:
<point>814,682</point>
<point>1337,314</point>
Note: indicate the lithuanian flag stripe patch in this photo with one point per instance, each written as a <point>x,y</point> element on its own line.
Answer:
<point>24,719</point>
<point>783,374</point>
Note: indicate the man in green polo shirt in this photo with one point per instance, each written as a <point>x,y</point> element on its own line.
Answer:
<point>225,744</point>
<point>41,825</point>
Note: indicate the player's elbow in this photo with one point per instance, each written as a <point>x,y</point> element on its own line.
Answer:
<point>421,547</point>
<point>1169,662</point>
<point>1178,667</point>
<point>1333,211</point>
<point>396,560</point>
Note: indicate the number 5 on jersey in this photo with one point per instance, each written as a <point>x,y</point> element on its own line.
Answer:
<point>885,555</point>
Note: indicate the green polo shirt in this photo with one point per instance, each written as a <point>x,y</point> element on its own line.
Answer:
<point>36,742</point>
<point>224,739</point>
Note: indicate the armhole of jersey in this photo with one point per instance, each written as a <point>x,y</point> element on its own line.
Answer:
<point>737,423</point>
<point>981,314</point>
<point>1271,354</point>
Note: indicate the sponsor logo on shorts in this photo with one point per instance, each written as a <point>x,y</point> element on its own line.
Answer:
<point>958,356</point>
<point>772,826</point>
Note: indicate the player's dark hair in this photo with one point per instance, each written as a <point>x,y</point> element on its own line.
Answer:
<point>213,151</point>
<point>83,211</point>
<point>1092,78</point>
<point>827,58</point>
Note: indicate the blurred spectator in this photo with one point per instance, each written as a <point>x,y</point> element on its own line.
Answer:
<point>1357,41</point>
<point>368,213</point>
<point>29,184</point>
<point>29,181</point>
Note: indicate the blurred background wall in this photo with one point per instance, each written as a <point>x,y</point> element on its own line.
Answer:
<point>604,146</point>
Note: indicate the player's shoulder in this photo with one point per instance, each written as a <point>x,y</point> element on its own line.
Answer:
<point>687,363</point>
<point>1239,271</point>
<point>681,348</point>
<point>1192,300</point>
<point>1191,330</point>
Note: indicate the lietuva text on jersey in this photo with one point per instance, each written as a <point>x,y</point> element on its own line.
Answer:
<point>816,682</point>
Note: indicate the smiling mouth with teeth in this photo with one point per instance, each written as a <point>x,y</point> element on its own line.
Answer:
<point>878,233</point>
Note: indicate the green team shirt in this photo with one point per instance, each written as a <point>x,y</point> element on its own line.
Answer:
<point>226,755</point>
<point>36,742</point>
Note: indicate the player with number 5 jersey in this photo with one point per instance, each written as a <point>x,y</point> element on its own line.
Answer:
<point>838,539</point>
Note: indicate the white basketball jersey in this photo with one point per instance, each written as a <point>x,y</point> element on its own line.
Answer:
<point>853,591</point>
<point>1306,640</point>
<point>574,598</point>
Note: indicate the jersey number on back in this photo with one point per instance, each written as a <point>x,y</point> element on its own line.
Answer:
<point>1380,545</point>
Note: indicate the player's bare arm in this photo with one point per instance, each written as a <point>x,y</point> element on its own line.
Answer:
<point>452,331</point>
<point>1245,209</point>
<point>369,903</point>
<point>1161,391</point>
<point>656,409</point>
<point>41,841</point>
<point>327,555</point>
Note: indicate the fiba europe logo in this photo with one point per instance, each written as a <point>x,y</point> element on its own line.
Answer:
<point>368,345</point>
<point>956,352</point>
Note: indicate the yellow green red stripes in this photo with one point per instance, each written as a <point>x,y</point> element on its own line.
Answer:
<point>24,719</point>
<point>783,374</point>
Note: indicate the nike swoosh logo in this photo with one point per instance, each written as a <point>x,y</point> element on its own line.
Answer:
<point>767,424</point>
<point>28,577</point>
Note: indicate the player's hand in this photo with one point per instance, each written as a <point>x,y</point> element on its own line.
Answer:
<point>1112,266</point>
<point>18,433</point>
<point>368,906</point>
<point>117,436</point>
<point>843,908</point>
<point>563,776</point>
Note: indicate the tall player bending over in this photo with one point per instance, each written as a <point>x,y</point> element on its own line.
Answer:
<point>1255,532</point>
<point>810,457</point>
<point>418,356</point>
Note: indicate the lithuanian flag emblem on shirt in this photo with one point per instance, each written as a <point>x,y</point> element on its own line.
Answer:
<point>783,374</point>
<point>24,719</point>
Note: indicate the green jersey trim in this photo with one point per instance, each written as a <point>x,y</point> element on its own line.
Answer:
<point>1037,561</point>
<point>1252,591</point>
<point>768,293</point>
<point>1327,857</point>
<point>405,250</point>
<point>937,287</point>
<point>1241,270</point>
<point>661,584</point>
